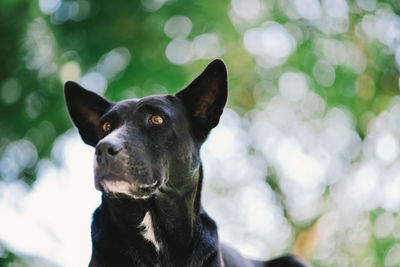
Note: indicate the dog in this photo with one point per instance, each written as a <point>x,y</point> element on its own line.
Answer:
<point>147,166</point>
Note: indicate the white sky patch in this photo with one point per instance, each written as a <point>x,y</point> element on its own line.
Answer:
<point>222,143</point>
<point>366,179</point>
<point>391,189</point>
<point>368,5</point>
<point>387,147</point>
<point>277,41</point>
<point>368,25</point>
<point>114,62</point>
<point>58,208</point>
<point>359,191</point>
<point>297,165</point>
<point>336,8</point>
<point>153,5</point>
<point>207,45</point>
<point>271,40</point>
<point>262,219</point>
<point>308,9</point>
<point>246,9</point>
<point>94,81</point>
<point>178,26</point>
<point>49,6</point>
<point>41,48</point>
<point>70,71</point>
<point>179,51</point>
<point>388,28</point>
<point>293,86</point>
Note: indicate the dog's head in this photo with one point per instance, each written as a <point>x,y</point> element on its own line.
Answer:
<point>148,145</point>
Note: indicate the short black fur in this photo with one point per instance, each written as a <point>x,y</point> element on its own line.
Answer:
<point>148,167</point>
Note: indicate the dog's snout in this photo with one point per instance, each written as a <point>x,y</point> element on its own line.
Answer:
<point>109,148</point>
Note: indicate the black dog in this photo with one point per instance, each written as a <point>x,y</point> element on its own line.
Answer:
<point>148,167</point>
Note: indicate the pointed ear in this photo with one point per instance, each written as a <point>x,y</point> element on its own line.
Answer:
<point>85,109</point>
<point>205,97</point>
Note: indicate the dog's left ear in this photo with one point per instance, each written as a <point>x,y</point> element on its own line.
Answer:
<point>205,97</point>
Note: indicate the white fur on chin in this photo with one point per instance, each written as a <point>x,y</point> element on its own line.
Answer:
<point>120,187</point>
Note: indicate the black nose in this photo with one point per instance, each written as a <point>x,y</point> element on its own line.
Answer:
<point>108,148</point>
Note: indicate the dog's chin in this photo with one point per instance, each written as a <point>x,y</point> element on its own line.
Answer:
<point>121,188</point>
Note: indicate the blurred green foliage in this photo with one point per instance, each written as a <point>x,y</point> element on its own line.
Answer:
<point>128,24</point>
<point>8,258</point>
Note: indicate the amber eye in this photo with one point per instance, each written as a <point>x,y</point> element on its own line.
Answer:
<point>157,119</point>
<point>106,126</point>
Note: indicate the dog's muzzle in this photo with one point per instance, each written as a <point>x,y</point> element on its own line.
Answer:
<point>114,173</point>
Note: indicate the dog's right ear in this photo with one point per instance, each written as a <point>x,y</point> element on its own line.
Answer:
<point>85,109</point>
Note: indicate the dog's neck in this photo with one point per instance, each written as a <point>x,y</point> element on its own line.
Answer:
<point>168,211</point>
<point>164,224</point>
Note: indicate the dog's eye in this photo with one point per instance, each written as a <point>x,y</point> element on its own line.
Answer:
<point>106,126</point>
<point>157,120</point>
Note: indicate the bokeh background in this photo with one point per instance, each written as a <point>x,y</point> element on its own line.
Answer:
<point>305,159</point>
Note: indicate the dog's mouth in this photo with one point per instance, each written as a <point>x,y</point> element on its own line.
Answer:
<point>121,187</point>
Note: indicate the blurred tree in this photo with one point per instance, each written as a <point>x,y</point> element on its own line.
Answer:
<point>136,48</point>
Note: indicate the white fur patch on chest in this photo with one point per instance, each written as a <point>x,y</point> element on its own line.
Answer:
<point>148,232</point>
